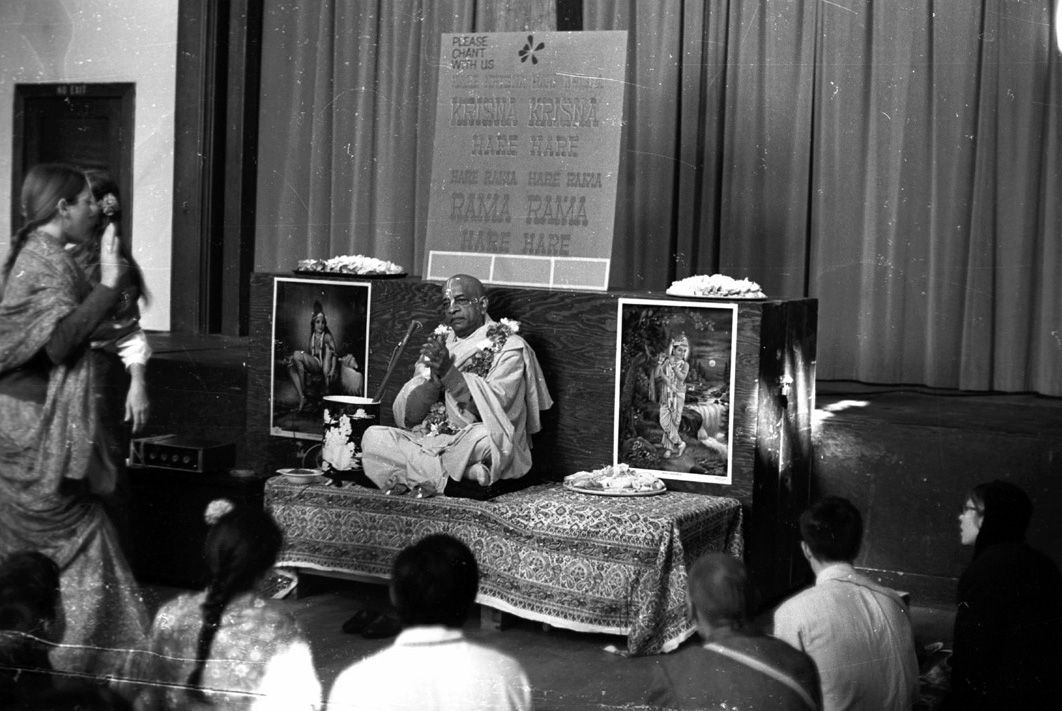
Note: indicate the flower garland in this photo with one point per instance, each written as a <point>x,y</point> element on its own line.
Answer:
<point>437,422</point>
<point>497,335</point>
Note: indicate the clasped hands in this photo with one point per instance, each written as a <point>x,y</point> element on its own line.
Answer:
<point>436,356</point>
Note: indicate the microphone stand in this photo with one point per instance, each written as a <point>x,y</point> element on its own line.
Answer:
<point>393,360</point>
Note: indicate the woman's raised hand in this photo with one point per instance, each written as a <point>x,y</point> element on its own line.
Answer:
<point>112,266</point>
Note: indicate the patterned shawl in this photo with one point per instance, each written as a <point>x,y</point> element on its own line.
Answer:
<point>42,445</point>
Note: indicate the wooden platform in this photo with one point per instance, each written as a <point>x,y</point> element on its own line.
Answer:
<point>574,335</point>
<point>904,455</point>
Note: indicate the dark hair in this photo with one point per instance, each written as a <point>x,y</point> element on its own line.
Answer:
<point>239,548</point>
<point>719,589</point>
<point>434,582</point>
<point>43,187</point>
<point>833,529</point>
<point>1006,511</point>
<point>102,184</point>
<point>318,310</point>
<point>29,591</point>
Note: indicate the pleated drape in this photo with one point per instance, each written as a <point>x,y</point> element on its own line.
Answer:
<point>899,161</point>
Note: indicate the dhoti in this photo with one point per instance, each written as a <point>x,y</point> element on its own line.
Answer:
<point>393,455</point>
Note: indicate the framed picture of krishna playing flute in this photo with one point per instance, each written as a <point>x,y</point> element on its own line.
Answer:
<point>320,348</point>
<point>674,388</point>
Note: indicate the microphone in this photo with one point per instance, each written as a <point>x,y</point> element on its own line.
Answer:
<point>414,325</point>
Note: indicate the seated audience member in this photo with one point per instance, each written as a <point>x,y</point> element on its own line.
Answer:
<point>735,666</point>
<point>226,646</point>
<point>31,619</point>
<point>857,632</point>
<point>1008,628</point>
<point>470,408</point>
<point>31,623</point>
<point>431,665</point>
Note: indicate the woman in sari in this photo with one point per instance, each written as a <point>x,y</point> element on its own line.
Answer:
<point>52,469</point>
<point>227,647</point>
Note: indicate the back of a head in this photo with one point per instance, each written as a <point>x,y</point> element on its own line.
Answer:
<point>29,591</point>
<point>102,183</point>
<point>434,582</point>
<point>241,546</point>
<point>833,529</point>
<point>1007,512</point>
<point>719,589</point>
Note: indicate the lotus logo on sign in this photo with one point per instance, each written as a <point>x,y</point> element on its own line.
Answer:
<point>529,50</point>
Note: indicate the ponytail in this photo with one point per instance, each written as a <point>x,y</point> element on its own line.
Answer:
<point>18,241</point>
<point>219,593</point>
<point>241,545</point>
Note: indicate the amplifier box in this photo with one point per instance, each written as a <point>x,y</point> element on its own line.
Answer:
<point>174,452</point>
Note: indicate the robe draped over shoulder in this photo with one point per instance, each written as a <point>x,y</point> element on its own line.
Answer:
<point>507,400</point>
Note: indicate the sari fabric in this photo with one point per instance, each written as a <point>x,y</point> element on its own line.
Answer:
<point>50,465</point>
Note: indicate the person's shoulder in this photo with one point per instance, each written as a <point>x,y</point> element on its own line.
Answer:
<point>799,600</point>
<point>514,341</point>
<point>365,671</point>
<point>784,655</point>
<point>270,614</point>
<point>181,611</point>
<point>181,602</point>
<point>41,245</point>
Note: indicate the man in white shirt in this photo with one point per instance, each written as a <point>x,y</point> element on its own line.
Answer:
<point>431,666</point>
<point>858,632</point>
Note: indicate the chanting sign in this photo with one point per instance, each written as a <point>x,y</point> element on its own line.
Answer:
<point>526,156</point>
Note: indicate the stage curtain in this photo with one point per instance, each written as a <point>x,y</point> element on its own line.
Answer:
<point>347,121</point>
<point>900,161</point>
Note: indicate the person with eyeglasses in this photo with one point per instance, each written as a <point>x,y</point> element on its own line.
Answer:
<point>1008,624</point>
<point>469,410</point>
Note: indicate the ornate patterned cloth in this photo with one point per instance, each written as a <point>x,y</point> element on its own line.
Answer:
<point>259,658</point>
<point>614,565</point>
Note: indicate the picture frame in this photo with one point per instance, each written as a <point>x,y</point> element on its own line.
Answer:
<point>301,354</point>
<point>673,420</point>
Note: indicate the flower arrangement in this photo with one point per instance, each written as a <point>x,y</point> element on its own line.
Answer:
<point>437,422</point>
<point>497,335</point>
<point>351,264</point>
<point>338,451</point>
<point>216,509</point>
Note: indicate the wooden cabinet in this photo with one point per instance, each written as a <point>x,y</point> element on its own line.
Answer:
<point>574,336</point>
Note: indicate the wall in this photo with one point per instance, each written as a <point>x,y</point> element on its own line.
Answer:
<point>46,41</point>
<point>906,458</point>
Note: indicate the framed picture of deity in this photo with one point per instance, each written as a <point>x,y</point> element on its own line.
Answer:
<point>320,348</point>
<point>675,388</point>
